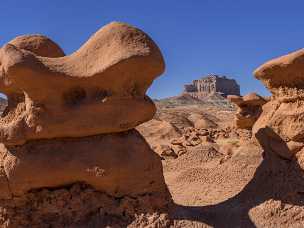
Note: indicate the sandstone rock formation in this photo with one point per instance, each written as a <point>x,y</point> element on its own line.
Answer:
<point>39,45</point>
<point>70,121</point>
<point>249,109</point>
<point>282,117</point>
<point>212,84</point>
<point>158,131</point>
<point>81,94</point>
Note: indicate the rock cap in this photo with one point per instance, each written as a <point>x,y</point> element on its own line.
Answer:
<point>283,72</point>
<point>99,88</point>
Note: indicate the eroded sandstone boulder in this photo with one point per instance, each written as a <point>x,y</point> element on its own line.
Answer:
<point>100,88</point>
<point>249,109</point>
<point>283,115</point>
<point>70,122</point>
<point>109,163</point>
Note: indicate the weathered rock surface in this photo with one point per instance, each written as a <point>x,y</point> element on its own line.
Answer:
<point>70,122</point>
<point>100,88</point>
<point>284,74</point>
<point>158,131</point>
<point>119,164</point>
<point>212,84</point>
<point>283,115</point>
<point>80,205</point>
<point>38,44</point>
<point>249,109</point>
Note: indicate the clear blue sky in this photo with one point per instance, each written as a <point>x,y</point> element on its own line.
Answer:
<point>197,37</point>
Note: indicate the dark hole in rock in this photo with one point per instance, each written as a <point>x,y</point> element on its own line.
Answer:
<point>75,96</point>
<point>3,102</point>
<point>100,95</point>
<point>9,104</point>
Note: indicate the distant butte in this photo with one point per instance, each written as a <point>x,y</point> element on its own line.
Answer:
<point>211,84</point>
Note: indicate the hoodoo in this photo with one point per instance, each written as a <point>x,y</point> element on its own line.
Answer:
<point>69,146</point>
<point>249,109</point>
<point>280,126</point>
<point>212,84</point>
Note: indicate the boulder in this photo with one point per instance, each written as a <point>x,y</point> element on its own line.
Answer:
<point>158,132</point>
<point>179,149</point>
<point>193,140</point>
<point>165,151</point>
<point>68,131</point>
<point>199,121</point>
<point>204,123</point>
<point>100,88</point>
<point>118,164</point>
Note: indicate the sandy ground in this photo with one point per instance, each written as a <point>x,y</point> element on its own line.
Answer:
<point>242,186</point>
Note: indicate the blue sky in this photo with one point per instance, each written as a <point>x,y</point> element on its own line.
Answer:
<point>197,37</point>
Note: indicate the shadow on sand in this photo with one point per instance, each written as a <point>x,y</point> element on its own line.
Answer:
<point>276,178</point>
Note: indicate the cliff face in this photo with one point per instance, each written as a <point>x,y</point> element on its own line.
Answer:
<point>212,84</point>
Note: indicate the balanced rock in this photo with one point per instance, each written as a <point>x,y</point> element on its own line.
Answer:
<point>249,109</point>
<point>283,115</point>
<point>100,88</point>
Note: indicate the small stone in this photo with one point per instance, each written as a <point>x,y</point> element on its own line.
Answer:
<point>178,141</point>
<point>203,132</point>
<point>193,140</point>
<point>179,149</point>
<point>165,151</point>
<point>207,139</point>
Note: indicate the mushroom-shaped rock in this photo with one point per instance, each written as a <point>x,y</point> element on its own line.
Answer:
<point>69,122</point>
<point>284,113</point>
<point>98,89</point>
<point>249,109</point>
<point>285,72</point>
<point>253,99</point>
<point>235,99</point>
